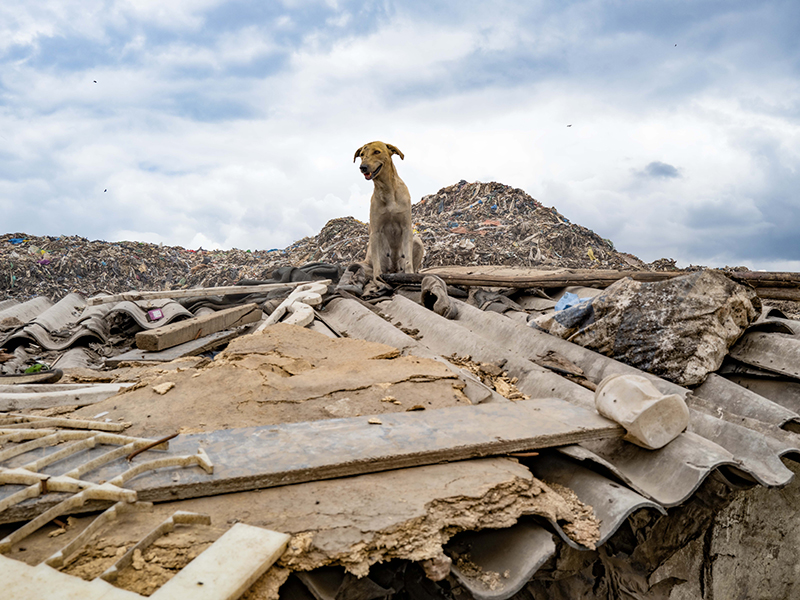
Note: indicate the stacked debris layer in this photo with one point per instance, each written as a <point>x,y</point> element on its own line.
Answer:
<point>495,224</point>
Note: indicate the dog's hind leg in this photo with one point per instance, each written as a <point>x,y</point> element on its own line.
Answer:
<point>417,253</point>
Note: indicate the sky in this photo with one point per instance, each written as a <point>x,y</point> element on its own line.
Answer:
<point>222,124</point>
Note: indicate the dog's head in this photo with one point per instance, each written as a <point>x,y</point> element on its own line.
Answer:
<point>374,156</point>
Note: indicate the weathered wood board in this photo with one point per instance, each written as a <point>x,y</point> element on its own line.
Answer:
<point>768,284</point>
<point>227,290</point>
<point>275,455</point>
<point>174,334</point>
<point>191,348</point>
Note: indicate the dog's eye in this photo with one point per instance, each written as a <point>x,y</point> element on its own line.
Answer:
<point>377,152</point>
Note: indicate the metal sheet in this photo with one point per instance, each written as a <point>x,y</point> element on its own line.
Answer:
<point>733,399</point>
<point>764,465</point>
<point>359,321</point>
<point>63,324</point>
<point>17,315</point>
<point>6,304</point>
<point>531,343</point>
<point>687,469</point>
<point>447,337</point>
<point>783,392</point>
<point>754,453</point>
<point>668,476</point>
<point>514,554</point>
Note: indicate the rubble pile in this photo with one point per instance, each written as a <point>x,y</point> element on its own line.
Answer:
<point>478,224</point>
<point>341,241</point>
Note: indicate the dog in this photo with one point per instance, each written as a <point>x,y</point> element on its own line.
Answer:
<point>392,246</point>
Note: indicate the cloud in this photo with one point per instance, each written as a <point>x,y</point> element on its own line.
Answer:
<point>661,170</point>
<point>228,124</point>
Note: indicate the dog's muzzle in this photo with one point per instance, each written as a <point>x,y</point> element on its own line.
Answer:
<point>367,174</point>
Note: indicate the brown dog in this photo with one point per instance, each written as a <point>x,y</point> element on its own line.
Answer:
<point>392,246</point>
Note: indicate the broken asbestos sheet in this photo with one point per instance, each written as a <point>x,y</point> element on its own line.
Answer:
<point>284,374</point>
<point>352,522</point>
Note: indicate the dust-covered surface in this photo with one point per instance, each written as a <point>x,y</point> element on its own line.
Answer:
<point>680,329</point>
<point>285,374</point>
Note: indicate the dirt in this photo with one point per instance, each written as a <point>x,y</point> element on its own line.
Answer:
<point>286,374</point>
<point>491,376</point>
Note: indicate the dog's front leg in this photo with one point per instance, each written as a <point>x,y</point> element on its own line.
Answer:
<point>376,258</point>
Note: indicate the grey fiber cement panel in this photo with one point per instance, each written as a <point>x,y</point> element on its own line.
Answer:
<point>275,455</point>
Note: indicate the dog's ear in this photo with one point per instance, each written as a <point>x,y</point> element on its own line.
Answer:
<point>358,153</point>
<point>394,150</point>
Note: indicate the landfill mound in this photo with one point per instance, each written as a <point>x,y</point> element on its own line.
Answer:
<point>478,224</point>
<point>463,224</point>
<point>495,224</point>
<point>49,266</point>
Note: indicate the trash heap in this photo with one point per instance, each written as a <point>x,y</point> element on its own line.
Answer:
<point>463,224</point>
<point>495,224</point>
<point>478,224</point>
<point>49,266</point>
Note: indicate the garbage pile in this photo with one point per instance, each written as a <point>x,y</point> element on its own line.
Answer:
<point>463,224</point>
<point>52,267</point>
<point>479,224</point>
<point>495,224</point>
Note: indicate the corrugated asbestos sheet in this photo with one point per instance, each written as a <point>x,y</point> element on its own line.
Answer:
<point>743,420</point>
<point>731,429</point>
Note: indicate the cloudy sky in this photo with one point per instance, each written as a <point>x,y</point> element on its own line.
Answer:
<point>233,124</point>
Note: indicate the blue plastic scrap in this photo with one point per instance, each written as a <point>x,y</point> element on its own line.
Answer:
<point>568,300</point>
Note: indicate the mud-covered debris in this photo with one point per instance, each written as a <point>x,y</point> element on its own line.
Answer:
<point>491,376</point>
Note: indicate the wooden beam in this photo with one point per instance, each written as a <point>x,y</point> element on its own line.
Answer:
<point>192,348</point>
<point>779,286</point>
<point>227,290</point>
<point>42,396</point>
<point>229,567</point>
<point>181,332</point>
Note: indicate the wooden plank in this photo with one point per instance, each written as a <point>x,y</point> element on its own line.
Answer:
<point>191,348</point>
<point>24,582</point>
<point>74,395</point>
<point>192,329</point>
<point>768,284</point>
<point>229,567</point>
<point>226,290</point>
